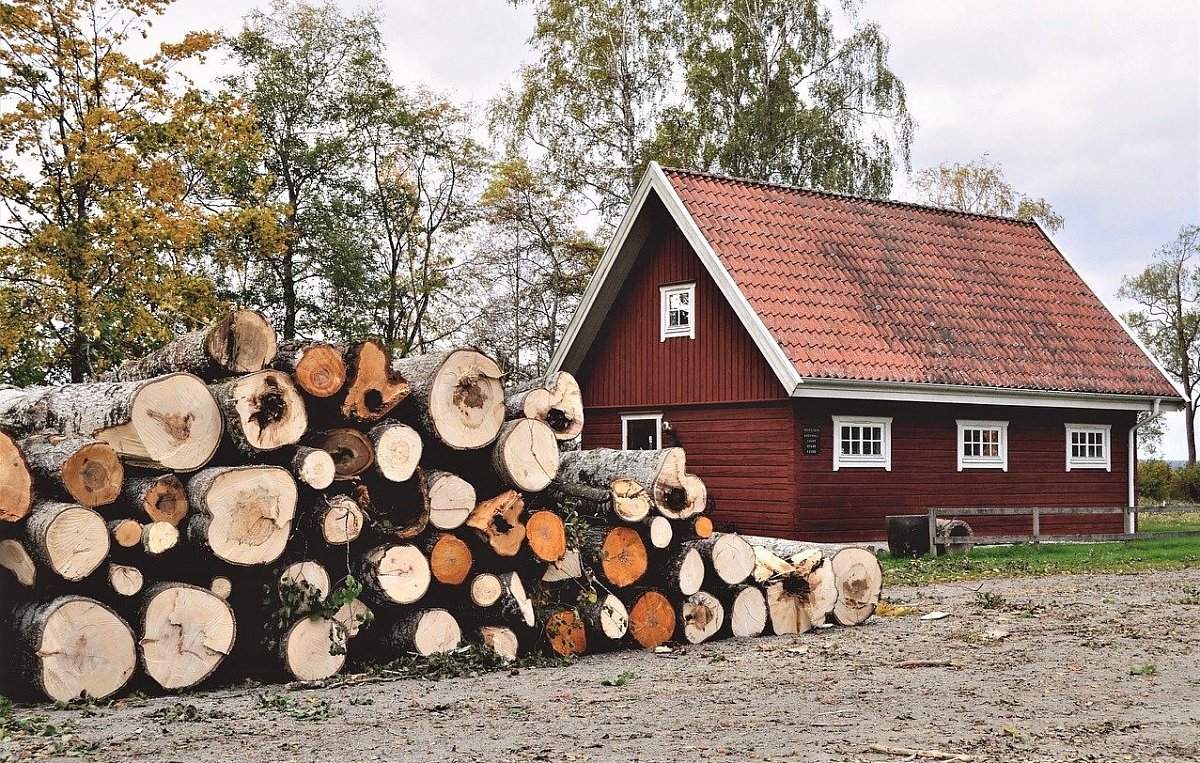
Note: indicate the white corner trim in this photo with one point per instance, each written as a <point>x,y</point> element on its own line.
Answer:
<point>979,462</point>
<point>665,331</point>
<point>1089,463</point>
<point>627,417</point>
<point>884,459</point>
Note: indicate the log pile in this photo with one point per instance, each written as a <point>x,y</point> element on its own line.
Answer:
<point>233,507</point>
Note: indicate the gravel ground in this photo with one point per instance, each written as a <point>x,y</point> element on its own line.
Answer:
<point>1070,668</point>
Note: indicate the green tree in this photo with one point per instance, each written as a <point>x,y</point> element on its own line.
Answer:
<point>773,91</point>
<point>979,186</point>
<point>1168,320</point>
<point>111,173</point>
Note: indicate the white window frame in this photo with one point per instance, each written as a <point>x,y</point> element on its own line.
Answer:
<point>1090,463</point>
<point>626,418</point>
<point>884,459</point>
<point>665,331</point>
<point>983,462</point>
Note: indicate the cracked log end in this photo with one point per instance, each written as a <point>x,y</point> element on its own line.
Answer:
<point>313,650</point>
<point>400,573</point>
<point>188,631</point>
<point>175,424</point>
<point>498,521</point>
<point>245,512</point>
<point>652,620</point>
<point>859,581</point>
<point>80,646</point>
<point>69,539</point>
<point>466,400</point>
<point>270,411</point>
<point>451,499</point>
<point>700,617</point>
<point>16,482</point>
<point>526,455</point>
<point>243,342</point>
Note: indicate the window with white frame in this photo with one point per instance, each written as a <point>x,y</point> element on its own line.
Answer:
<point>678,311</point>
<point>1089,446</point>
<point>862,441</point>
<point>641,431</point>
<point>982,445</point>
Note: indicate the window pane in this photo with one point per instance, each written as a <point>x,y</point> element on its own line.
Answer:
<point>641,434</point>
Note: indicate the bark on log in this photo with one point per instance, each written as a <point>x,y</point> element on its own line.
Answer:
<point>525,455</point>
<point>336,519</point>
<point>451,499</point>
<point>159,498</point>
<point>651,619</point>
<point>16,481</point>
<point>243,514</point>
<point>683,571</point>
<point>546,535</point>
<point>485,589</point>
<point>312,466</point>
<point>606,616</point>
<point>15,558</point>
<point>350,449</point>
<point>374,386</point>
<point>397,450</point>
<point>569,567</point>
<point>318,368</point>
<point>124,579</point>
<point>514,603</point>
<point>126,533</point>
<point>87,471</point>
<point>623,500</point>
<point>263,411</point>
<point>498,522</point>
<point>67,538</point>
<point>187,632</point>
<point>566,633</point>
<point>169,422</point>
<point>240,343</point>
<point>450,559</point>
<point>313,649</point>
<point>857,574</point>
<point>500,640</point>
<point>554,400</point>
<point>72,646</point>
<point>745,611</point>
<point>618,553</point>
<point>729,556</point>
<point>397,574</point>
<point>401,510</point>
<point>425,632</point>
<point>662,472</point>
<point>457,397</point>
<point>800,591</point>
<point>700,617</point>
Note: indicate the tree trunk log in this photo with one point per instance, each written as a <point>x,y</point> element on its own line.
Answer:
<point>170,422</point>
<point>159,537</point>
<point>566,633</point>
<point>240,343</point>
<point>457,397</point>
<point>525,455</point>
<point>159,498</point>
<point>729,556</point>
<point>546,535</point>
<point>485,589</point>
<point>700,617</point>
<point>72,646</point>
<point>607,616</point>
<point>451,499</point>
<point>425,632</point>
<point>619,554</point>
<point>243,514</point>
<point>187,632</point>
<point>662,472</point>
<point>15,558</point>
<point>67,538</point>
<point>125,579</point>
<point>85,470</point>
<point>623,500</point>
<point>318,369</point>
<point>374,386</point>
<point>336,519</point>
<point>570,567</point>
<point>514,603</point>
<point>16,481</point>
<point>800,591</point>
<point>263,411</point>
<point>745,611</point>
<point>396,574</point>
<point>309,578</point>
<point>397,450</point>
<point>351,450</point>
<point>450,559</point>
<point>651,619</point>
<point>500,640</point>
<point>312,466</point>
<point>555,401</point>
<point>659,531</point>
<point>856,574</point>
<point>126,533</point>
<point>313,649</point>
<point>683,571</point>
<point>498,522</point>
<point>400,510</point>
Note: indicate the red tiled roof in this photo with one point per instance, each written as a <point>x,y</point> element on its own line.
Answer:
<point>862,289</point>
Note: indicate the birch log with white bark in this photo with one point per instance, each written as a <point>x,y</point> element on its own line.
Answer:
<point>187,632</point>
<point>554,400</point>
<point>243,514</point>
<point>73,646</point>
<point>457,397</point>
<point>69,539</point>
<point>672,491</point>
<point>86,470</point>
<point>241,342</point>
<point>857,574</point>
<point>263,411</point>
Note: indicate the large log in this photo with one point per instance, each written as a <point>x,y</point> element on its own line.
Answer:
<point>731,558</point>
<point>397,450</point>
<point>554,400</point>
<point>546,535</point>
<point>318,368</point>
<point>87,471</point>
<point>745,611</point>
<point>157,498</point>
<point>425,632</point>
<point>169,422</point>
<point>396,574</point>
<point>313,649</point>
<point>525,455</point>
<point>373,385</point>
<point>73,646</point>
<point>498,522</point>
<point>457,397</point>
<point>69,539</point>
<point>263,411</point>
<point>187,632</point>
<point>700,617</point>
<point>618,553</point>
<point>243,514</point>
<point>451,499</point>
<point>663,473</point>
<point>651,619</point>
<point>622,499</point>
<point>16,481</point>
<point>241,342</point>
<point>800,591</point>
<point>857,574</point>
<point>683,571</point>
<point>450,559</point>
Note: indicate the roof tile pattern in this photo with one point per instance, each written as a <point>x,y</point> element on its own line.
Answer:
<point>862,289</point>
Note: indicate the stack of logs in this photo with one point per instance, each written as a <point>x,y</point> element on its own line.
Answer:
<point>231,506</point>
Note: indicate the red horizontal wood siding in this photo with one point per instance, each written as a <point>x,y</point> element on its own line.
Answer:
<point>851,504</point>
<point>744,454</point>
<point>629,365</point>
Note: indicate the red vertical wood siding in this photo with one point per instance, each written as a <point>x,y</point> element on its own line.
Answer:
<point>627,364</point>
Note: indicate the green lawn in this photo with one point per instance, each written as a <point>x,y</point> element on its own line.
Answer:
<point>1169,523</point>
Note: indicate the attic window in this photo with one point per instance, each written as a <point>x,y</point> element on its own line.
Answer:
<point>677,308</point>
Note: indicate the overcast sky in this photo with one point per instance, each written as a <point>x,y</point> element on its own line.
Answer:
<point>1094,105</point>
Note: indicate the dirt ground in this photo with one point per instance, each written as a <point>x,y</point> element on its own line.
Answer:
<point>1071,668</point>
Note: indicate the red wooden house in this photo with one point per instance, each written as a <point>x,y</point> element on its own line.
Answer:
<point>828,360</point>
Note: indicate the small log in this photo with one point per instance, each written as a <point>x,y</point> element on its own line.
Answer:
<point>373,385</point>
<point>425,632</point>
<point>555,401</point>
<point>450,559</point>
<point>746,611</point>
<point>619,554</point>
<point>125,579</point>
<point>221,587</point>
<point>187,632</point>
<point>485,589</point>
<point>313,467</point>
<point>67,538</point>
<point>353,616</point>
<point>313,649</point>
<point>622,500</point>
<point>566,633</point>
<point>240,343</point>
<point>159,537</point>
<point>337,519</point>
<point>309,577</point>
<point>457,397</point>
<point>662,472</point>
<point>158,498</point>
<point>126,533</point>
<point>683,571</point>
<point>397,574</point>
<point>243,514</point>
<point>659,531</point>
<point>318,368</point>
<point>16,481</point>
<point>800,591</point>
<point>351,450</point>
<point>700,617</point>
<point>263,411</point>
<point>514,602</point>
<point>525,455</point>
<point>570,567</point>
<point>500,640</point>
<point>606,616</point>
<point>73,646</point>
<point>498,522</point>
<point>856,574</point>
<point>546,535</point>
<point>702,527</point>
<point>88,471</point>
<point>651,619</point>
<point>16,559</point>
<point>397,450</point>
<point>731,558</point>
<point>169,422</point>
<point>451,499</point>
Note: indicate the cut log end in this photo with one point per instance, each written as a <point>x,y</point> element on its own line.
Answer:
<point>80,647</point>
<point>269,411</point>
<point>700,617</point>
<point>450,559</point>
<point>16,559</point>
<point>428,632</point>
<point>859,581</point>
<point>125,580</point>
<point>126,533</point>
<point>373,388</point>
<point>702,527</point>
<point>732,558</point>
<point>314,467</point>
<point>526,455</point>
<point>546,535</point>
<point>500,640</point>
<point>498,521</point>
<point>630,500</point>
<point>660,531</point>
<point>559,404</point>
<point>188,632</point>
<point>350,449</point>
<point>612,618</point>
<point>16,482</point>
<point>486,589</point>
<point>309,575</point>
<point>623,557</point>
<point>400,573</point>
<point>243,342</point>
<point>341,520</point>
<point>566,633</point>
<point>244,514</point>
<point>319,369</point>
<point>451,500</point>
<point>690,576</point>
<point>314,649</point>
<point>465,400</point>
<point>569,567</point>
<point>159,537</point>
<point>652,620</point>
<point>93,475</point>
<point>69,539</point>
<point>161,499</point>
<point>397,450</point>
<point>748,613</point>
<point>221,587</point>
<point>175,424</point>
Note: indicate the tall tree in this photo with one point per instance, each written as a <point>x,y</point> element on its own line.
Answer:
<point>317,79</point>
<point>105,164</point>
<point>593,99</point>
<point>773,91</point>
<point>979,186</point>
<point>1168,322</point>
